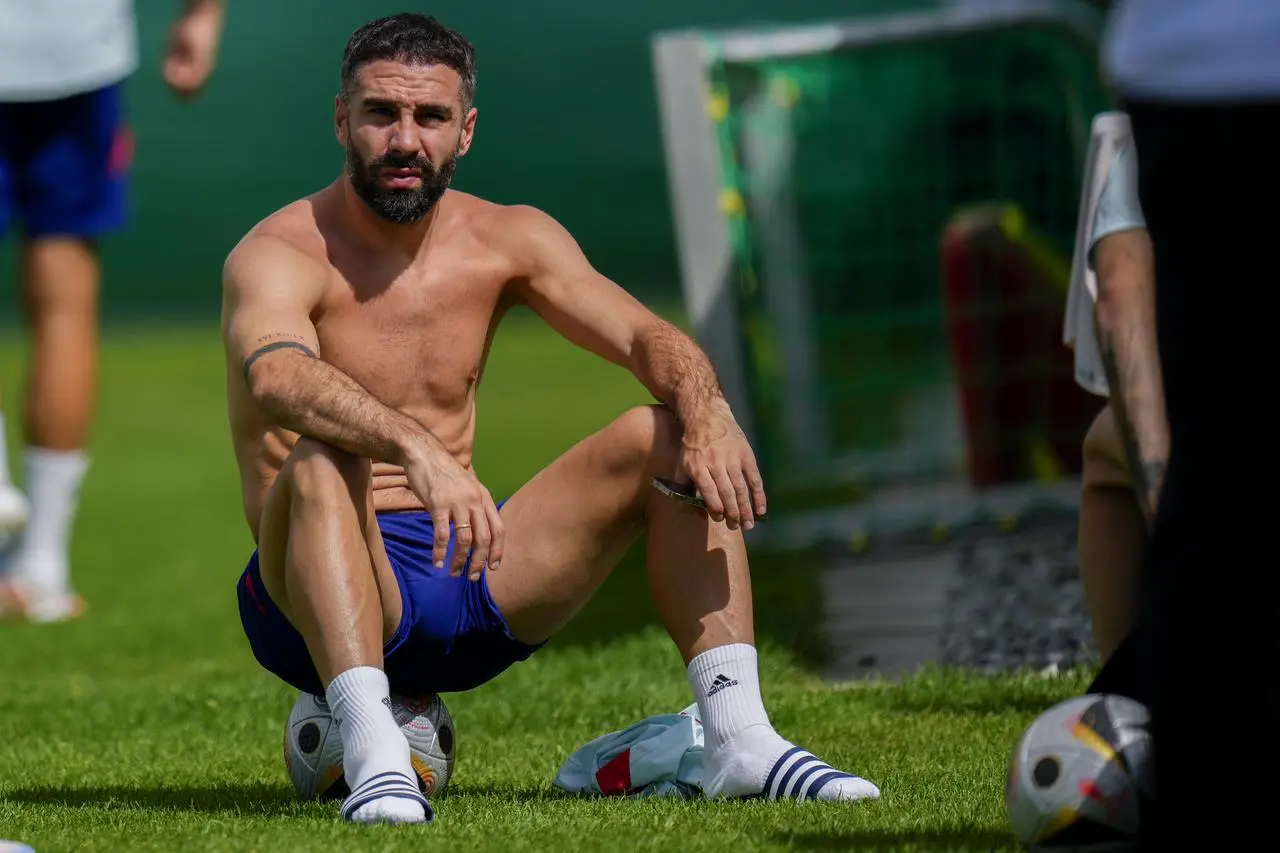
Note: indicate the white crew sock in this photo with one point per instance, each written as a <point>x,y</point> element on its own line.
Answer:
<point>726,683</point>
<point>759,762</point>
<point>53,487</point>
<point>372,743</point>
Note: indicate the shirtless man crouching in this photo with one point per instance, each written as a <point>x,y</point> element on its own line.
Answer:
<point>357,322</point>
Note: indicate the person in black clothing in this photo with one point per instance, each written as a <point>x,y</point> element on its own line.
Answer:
<point>1201,84</point>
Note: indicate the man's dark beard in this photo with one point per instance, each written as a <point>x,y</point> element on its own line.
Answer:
<point>401,206</point>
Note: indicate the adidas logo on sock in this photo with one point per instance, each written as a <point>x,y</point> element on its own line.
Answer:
<point>721,682</point>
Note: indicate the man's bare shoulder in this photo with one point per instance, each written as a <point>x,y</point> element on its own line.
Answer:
<point>507,221</point>
<point>484,218</point>
<point>517,231</point>
<point>290,236</point>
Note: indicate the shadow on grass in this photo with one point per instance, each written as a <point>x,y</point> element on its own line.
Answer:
<point>788,605</point>
<point>885,840</point>
<point>548,794</point>
<point>934,689</point>
<point>250,799</point>
<point>263,800</point>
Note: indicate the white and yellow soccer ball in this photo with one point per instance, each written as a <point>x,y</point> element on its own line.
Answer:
<point>1080,775</point>
<point>313,745</point>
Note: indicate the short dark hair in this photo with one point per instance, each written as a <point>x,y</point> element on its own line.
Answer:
<point>413,39</point>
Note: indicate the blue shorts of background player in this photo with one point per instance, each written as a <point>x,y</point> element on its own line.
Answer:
<point>64,165</point>
<point>451,636</point>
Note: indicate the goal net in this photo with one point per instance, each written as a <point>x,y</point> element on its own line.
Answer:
<point>875,220</point>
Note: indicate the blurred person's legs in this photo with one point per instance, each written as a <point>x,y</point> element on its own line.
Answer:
<point>65,164</point>
<point>1112,535</point>
<point>13,504</point>
<point>1111,544</point>
<point>1210,612</point>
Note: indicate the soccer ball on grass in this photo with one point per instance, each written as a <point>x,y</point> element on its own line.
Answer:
<point>1079,776</point>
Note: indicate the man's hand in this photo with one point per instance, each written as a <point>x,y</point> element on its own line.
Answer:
<point>718,460</point>
<point>193,47</point>
<point>451,492</point>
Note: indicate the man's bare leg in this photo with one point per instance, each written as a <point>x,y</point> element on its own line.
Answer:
<point>566,530</point>
<point>1112,536</point>
<point>324,565</point>
<point>571,524</point>
<point>60,278</point>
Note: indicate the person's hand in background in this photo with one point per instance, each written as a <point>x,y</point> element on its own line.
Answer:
<point>192,51</point>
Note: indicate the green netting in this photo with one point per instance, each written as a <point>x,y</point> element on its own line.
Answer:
<point>841,172</point>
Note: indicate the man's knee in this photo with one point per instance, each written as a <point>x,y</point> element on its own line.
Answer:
<point>62,276</point>
<point>646,439</point>
<point>1105,463</point>
<point>319,472</point>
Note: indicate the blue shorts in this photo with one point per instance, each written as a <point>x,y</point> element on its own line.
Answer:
<point>451,637</point>
<point>63,164</point>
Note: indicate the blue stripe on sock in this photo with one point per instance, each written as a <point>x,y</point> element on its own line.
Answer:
<point>798,784</point>
<point>388,784</point>
<point>392,774</point>
<point>806,760</point>
<point>353,803</point>
<point>383,785</point>
<point>822,781</point>
<point>348,811</point>
<point>768,783</point>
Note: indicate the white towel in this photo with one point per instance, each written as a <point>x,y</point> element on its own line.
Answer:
<point>1110,132</point>
<point>658,756</point>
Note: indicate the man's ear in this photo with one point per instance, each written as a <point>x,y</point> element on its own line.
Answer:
<point>340,117</point>
<point>468,131</point>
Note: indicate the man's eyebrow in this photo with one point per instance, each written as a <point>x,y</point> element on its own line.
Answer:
<point>443,111</point>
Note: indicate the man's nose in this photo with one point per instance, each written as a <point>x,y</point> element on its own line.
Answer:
<point>404,139</point>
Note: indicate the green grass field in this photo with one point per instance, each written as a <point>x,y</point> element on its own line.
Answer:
<point>148,726</point>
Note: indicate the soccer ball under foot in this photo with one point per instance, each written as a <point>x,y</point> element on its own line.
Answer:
<point>313,745</point>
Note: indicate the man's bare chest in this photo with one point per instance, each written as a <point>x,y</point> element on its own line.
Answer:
<point>421,345</point>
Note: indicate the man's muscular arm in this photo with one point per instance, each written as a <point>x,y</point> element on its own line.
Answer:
<point>596,314</point>
<point>1126,329</point>
<point>269,292</point>
<point>593,312</point>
